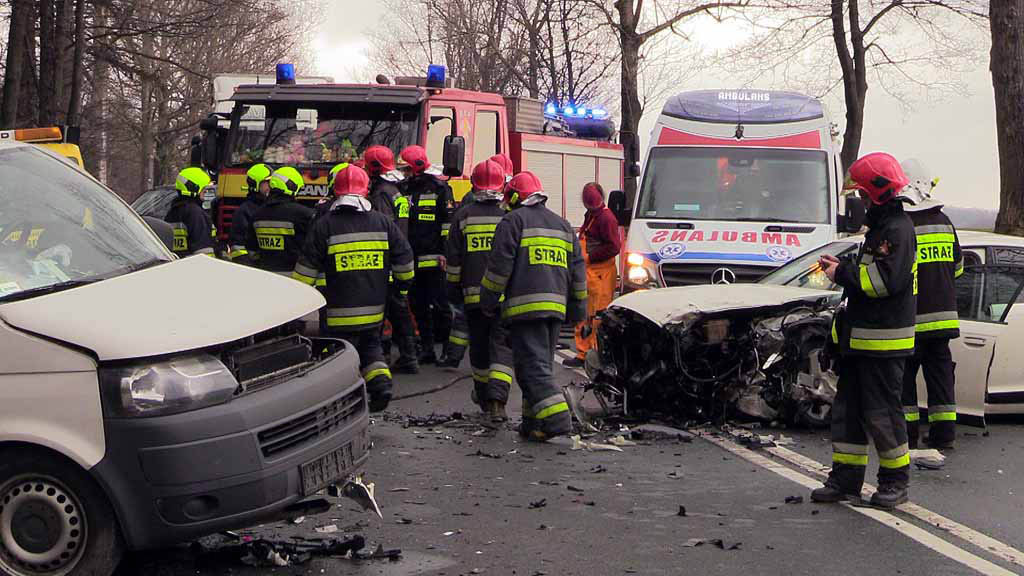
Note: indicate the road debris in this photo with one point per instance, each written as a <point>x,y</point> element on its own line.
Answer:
<point>794,499</point>
<point>298,520</point>
<point>599,469</point>
<point>580,444</point>
<point>930,459</point>
<point>645,431</point>
<point>362,493</point>
<point>620,441</point>
<point>271,553</point>
<point>539,504</point>
<point>327,529</point>
<point>482,454</point>
<point>572,488</point>
<point>716,542</point>
<point>682,511</point>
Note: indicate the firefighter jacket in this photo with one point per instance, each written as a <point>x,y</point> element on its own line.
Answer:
<point>193,230</point>
<point>880,286</point>
<point>388,200</point>
<point>537,264</point>
<point>939,263</point>
<point>355,250</point>
<point>241,220</point>
<point>469,244</point>
<point>600,230</point>
<point>278,232</point>
<point>429,199</point>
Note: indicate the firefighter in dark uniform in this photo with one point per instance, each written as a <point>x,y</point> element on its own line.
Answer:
<point>387,198</point>
<point>357,249</point>
<point>257,180</point>
<point>875,335</point>
<point>193,229</point>
<point>939,263</point>
<point>537,265</point>
<point>278,230</point>
<point>323,207</point>
<point>469,244</point>
<point>429,197</point>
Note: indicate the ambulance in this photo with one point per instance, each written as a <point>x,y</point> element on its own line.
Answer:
<point>735,184</point>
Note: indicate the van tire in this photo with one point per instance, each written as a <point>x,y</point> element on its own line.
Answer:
<point>54,479</point>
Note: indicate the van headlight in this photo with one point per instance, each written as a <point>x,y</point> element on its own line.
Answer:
<point>638,275</point>
<point>639,272</point>
<point>166,387</point>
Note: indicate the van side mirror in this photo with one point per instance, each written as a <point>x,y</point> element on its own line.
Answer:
<point>454,157</point>
<point>617,204</point>
<point>852,218</point>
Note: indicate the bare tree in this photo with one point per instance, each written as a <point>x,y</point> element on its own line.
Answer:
<point>17,48</point>
<point>1007,65</point>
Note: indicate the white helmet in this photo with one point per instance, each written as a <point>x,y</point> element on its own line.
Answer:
<point>918,193</point>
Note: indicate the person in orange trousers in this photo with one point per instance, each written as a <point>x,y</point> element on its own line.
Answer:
<point>600,241</point>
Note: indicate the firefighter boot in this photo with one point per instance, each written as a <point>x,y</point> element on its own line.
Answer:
<point>495,410</point>
<point>889,495</point>
<point>831,493</point>
<point>407,363</point>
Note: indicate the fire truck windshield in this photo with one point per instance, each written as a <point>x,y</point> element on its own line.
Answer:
<point>318,134</point>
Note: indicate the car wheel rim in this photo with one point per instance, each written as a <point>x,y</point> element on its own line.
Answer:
<point>42,527</point>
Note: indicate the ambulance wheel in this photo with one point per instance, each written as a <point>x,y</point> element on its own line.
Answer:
<point>54,519</point>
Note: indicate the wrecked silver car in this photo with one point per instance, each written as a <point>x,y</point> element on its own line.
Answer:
<point>722,352</point>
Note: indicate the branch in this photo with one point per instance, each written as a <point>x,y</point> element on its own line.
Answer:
<point>705,8</point>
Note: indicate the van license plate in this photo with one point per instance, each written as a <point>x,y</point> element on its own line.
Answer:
<point>326,470</point>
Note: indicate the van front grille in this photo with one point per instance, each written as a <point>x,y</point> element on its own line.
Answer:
<point>307,428</point>
<point>680,274</point>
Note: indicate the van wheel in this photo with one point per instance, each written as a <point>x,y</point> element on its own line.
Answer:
<point>54,520</point>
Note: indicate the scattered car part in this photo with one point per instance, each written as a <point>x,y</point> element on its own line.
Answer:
<point>362,493</point>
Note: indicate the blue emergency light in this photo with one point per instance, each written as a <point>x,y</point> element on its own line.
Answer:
<point>569,111</point>
<point>551,109</point>
<point>286,74</point>
<point>435,76</point>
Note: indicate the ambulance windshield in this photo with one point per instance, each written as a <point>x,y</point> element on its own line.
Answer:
<point>736,184</point>
<point>319,133</point>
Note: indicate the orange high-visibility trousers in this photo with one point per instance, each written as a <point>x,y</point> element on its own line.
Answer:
<point>601,278</point>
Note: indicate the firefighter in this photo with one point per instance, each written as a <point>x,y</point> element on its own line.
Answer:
<point>536,263</point>
<point>279,228</point>
<point>357,249</point>
<point>257,181</point>
<point>875,335</point>
<point>599,238</point>
<point>192,225</point>
<point>469,244</point>
<point>939,263</point>
<point>324,205</point>
<point>387,199</point>
<point>506,164</point>
<point>429,198</point>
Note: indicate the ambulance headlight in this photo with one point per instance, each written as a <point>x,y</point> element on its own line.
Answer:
<point>635,259</point>
<point>638,275</point>
<point>170,386</point>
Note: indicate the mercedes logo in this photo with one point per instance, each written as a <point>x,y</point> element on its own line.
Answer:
<point>723,276</point>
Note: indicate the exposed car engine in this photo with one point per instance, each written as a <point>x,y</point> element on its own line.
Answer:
<point>762,364</point>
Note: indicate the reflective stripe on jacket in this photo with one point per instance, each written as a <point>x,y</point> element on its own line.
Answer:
<point>278,232</point>
<point>428,198</point>
<point>191,226</point>
<point>469,244</point>
<point>939,262</point>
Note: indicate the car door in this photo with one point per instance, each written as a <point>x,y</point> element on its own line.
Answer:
<point>1005,390</point>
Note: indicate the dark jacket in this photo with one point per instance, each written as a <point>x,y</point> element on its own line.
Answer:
<point>241,221</point>
<point>601,229</point>
<point>355,252</point>
<point>387,199</point>
<point>939,263</point>
<point>537,264</point>
<point>278,232</point>
<point>193,229</point>
<point>469,244</point>
<point>880,287</point>
<point>429,198</point>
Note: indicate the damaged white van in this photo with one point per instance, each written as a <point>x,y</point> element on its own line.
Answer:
<point>135,410</point>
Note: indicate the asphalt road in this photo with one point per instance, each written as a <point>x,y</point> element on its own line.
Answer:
<point>461,499</point>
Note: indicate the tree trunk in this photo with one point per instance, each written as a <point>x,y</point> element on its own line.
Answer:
<point>75,98</point>
<point>1007,66</point>
<point>60,41</point>
<point>20,26</point>
<point>100,83</point>
<point>47,63</point>
<point>629,91</point>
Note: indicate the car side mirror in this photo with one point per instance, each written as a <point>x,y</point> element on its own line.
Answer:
<point>617,204</point>
<point>454,157</point>
<point>163,231</point>
<point>852,219</point>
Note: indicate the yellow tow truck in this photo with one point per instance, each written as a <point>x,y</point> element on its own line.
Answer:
<point>62,141</point>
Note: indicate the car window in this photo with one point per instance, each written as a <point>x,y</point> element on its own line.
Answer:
<point>804,271</point>
<point>1008,255</point>
<point>986,293</point>
<point>441,124</point>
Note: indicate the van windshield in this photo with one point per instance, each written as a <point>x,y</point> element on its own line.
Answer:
<point>59,228</point>
<point>736,184</point>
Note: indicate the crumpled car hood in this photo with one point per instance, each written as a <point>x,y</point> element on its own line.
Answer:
<point>667,305</point>
<point>181,305</point>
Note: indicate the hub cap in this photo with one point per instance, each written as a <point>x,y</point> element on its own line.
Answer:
<point>42,527</point>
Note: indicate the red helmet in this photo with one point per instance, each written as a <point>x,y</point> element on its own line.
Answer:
<point>379,160</point>
<point>415,157</point>
<point>879,175</point>
<point>521,187</point>
<point>488,175</point>
<point>352,180</point>
<point>505,162</point>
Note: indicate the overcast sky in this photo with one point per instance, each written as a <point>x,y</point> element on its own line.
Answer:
<point>955,135</point>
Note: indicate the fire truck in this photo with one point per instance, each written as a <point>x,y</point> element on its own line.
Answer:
<point>314,125</point>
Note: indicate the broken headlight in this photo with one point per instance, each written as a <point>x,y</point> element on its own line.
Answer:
<point>166,387</point>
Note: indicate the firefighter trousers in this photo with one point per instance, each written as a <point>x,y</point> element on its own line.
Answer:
<point>868,404</point>
<point>933,357</point>
<point>600,291</point>
<point>533,344</point>
<point>430,305</point>
<point>459,337</point>
<point>402,331</point>
<point>490,357</point>
<point>371,365</point>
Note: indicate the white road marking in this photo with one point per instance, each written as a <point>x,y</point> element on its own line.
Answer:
<point>982,541</point>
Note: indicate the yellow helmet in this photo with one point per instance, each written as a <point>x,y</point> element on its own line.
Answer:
<point>286,180</point>
<point>191,181</point>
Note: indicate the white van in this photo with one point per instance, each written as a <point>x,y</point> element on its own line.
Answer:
<point>136,410</point>
<point>736,183</point>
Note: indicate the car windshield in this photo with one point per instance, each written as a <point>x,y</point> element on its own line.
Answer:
<point>156,202</point>
<point>60,228</point>
<point>736,184</point>
<point>804,271</point>
<point>320,134</point>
